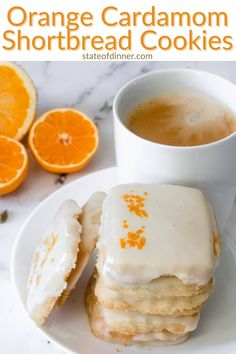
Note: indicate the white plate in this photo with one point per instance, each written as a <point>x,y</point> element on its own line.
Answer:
<point>69,328</point>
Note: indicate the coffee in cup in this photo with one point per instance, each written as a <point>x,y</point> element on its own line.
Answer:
<point>182,119</point>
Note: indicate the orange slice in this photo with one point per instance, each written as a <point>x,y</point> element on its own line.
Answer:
<point>17,101</point>
<point>63,140</point>
<point>13,164</point>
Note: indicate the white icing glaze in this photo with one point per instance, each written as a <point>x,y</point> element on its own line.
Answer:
<point>137,320</point>
<point>156,336</point>
<point>54,257</point>
<point>178,235</point>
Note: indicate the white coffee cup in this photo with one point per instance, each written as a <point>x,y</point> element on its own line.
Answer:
<point>210,167</point>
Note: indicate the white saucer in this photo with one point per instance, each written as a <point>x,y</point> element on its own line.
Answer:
<point>69,328</point>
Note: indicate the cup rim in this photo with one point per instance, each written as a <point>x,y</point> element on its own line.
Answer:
<point>165,146</point>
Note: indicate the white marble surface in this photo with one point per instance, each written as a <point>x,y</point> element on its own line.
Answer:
<point>89,87</point>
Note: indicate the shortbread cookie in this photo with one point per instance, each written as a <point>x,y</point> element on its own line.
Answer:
<point>102,331</point>
<point>161,287</point>
<point>132,322</point>
<point>90,222</point>
<point>170,305</point>
<point>149,231</point>
<point>53,260</point>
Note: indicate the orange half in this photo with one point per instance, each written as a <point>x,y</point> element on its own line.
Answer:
<point>17,101</point>
<point>63,140</point>
<point>13,164</point>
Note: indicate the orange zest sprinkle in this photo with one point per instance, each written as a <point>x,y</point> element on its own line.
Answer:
<point>141,243</point>
<point>35,263</point>
<point>51,244</point>
<point>125,224</point>
<point>122,243</point>
<point>134,239</point>
<point>135,204</point>
<point>38,279</point>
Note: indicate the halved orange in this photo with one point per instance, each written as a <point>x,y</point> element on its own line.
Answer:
<point>63,140</point>
<point>17,101</point>
<point>13,164</point>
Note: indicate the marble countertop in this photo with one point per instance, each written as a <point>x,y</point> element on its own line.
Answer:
<point>91,88</point>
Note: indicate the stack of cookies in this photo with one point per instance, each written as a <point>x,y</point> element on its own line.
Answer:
<point>157,252</point>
